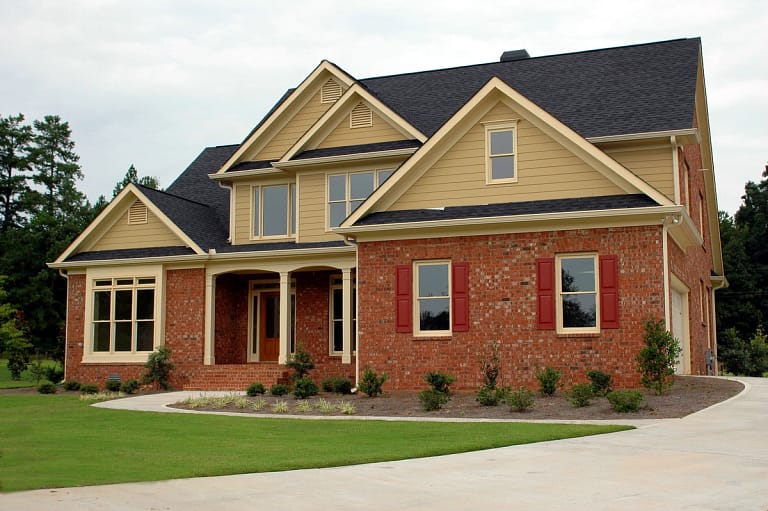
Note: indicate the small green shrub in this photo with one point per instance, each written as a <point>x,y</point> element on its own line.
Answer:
<point>432,400</point>
<point>280,407</point>
<point>304,388</point>
<point>548,378</point>
<point>580,395</point>
<point>601,382</point>
<point>46,388</point>
<point>371,383</point>
<point>129,386</point>
<point>279,389</point>
<point>301,363</point>
<point>325,406</point>
<point>346,408</point>
<point>159,367</point>
<point>89,388</point>
<point>520,400</point>
<point>488,396</point>
<point>71,385</point>
<point>36,368</point>
<point>439,381</point>
<point>54,373</point>
<point>255,389</point>
<point>112,385</point>
<point>338,385</point>
<point>490,365</point>
<point>258,405</point>
<point>304,406</point>
<point>656,361</point>
<point>624,401</point>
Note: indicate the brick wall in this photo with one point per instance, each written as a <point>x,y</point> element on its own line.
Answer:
<point>503,307</point>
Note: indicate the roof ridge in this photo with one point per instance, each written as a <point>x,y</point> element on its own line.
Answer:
<point>171,195</point>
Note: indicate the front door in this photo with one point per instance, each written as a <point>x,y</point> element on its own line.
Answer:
<point>679,330</point>
<point>269,327</point>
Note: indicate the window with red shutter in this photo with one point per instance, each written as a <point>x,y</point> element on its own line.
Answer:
<point>460,296</point>
<point>403,298</point>
<point>609,291</point>
<point>545,285</point>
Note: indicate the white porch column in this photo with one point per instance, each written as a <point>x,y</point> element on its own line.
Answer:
<point>210,318</point>
<point>346,292</point>
<point>285,317</point>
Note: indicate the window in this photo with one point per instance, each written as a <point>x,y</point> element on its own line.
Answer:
<point>123,315</point>
<point>501,161</point>
<point>433,298</point>
<point>346,192</point>
<point>337,317</point>
<point>274,211</point>
<point>577,292</point>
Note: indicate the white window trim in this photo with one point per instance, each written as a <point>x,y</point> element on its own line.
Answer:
<point>559,292</point>
<point>292,212</point>
<point>417,332</point>
<point>94,274</point>
<point>490,127</point>
<point>256,288</point>
<point>336,287</point>
<point>347,190</point>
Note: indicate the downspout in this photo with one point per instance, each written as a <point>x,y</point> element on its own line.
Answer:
<point>667,222</point>
<point>349,241</point>
<point>713,315</point>
<point>64,274</point>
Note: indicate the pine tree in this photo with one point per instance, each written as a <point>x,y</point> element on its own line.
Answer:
<point>132,176</point>
<point>15,139</point>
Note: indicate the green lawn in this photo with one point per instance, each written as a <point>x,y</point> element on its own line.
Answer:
<point>26,377</point>
<point>58,441</point>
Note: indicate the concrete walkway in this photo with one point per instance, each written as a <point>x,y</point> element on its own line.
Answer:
<point>716,459</point>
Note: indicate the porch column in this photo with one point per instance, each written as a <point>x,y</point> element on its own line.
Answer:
<point>285,317</point>
<point>210,318</point>
<point>346,292</point>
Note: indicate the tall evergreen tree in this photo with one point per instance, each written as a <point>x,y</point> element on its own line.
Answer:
<point>15,139</point>
<point>132,176</point>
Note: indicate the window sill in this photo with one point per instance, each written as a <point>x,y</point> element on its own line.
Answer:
<point>115,358</point>
<point>446,337</point>
<point>577,335</point>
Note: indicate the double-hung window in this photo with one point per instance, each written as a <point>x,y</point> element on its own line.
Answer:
<point>123,315</point>
<point>337,317</point>
<point>346,192</point>
<point>577,289</point>
<point>501,152</point>
<point>274,211</point>
<point>433,297</point>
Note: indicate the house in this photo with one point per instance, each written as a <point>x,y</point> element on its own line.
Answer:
<point>550,204</point>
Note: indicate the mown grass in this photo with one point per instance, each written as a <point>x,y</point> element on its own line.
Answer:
<point>58,441</point>
<point>27,380</point>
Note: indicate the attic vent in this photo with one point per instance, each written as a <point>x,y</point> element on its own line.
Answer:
<point>509,56</point>
<point>361,116</point>
<point>137,214</point>
<point>330,92</point>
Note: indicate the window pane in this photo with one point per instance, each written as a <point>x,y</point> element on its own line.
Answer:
<point>337,212</point>
<point>338,336</point>
<point>123,336</point>
<point>503,167</point>
<point>360,185</point>
<point>501,142</point>
<point>275,209</point>
<point>434,314</point>
<point>101,337</point>
<point>255,325</point>
<point>124,282</point>
<point>293,209</point>
<point>101,301</point>
<point>272,325</point>
<point>433,280</point>
<point>107,282</point>
<point>578,274</point>
<point>145,335</point>
<point>338,304</point>
<point>353,205</point>
<point>579,311</point>
<point>256,209</point>
<point>123,304</point>
<point>384,175</point>
<point>147,280</point>
<point>145,304</point>
<point>293,323</point>
<point>337,187</point>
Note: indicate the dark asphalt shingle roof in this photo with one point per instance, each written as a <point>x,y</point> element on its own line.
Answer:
<point>251,165</point>
<point>131,253</point>
<point>279,245</point>
<point>357,149</point>
<point>509,209</point>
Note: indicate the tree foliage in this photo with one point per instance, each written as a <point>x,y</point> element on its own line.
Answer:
<point>132,176</point>
<point>656,361</point>
<point>15,157</point>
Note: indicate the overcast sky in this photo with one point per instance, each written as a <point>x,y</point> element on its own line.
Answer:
<point>151,83</point>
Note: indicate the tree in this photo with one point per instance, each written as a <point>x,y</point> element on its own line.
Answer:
<point>12,339</point>
<point>132,176</point>
<point>15,139</point>
<point>656,361</point>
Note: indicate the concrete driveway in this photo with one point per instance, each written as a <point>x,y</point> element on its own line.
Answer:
<point>714,459</point>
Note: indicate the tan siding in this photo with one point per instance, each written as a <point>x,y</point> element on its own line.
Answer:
<point>312,209</point>
<point>152,234</point>
<point>342,135</point>
<point>652,165</point>
<point>545,170</point>
<point>242,223</point>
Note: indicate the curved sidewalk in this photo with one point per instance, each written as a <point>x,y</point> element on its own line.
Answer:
<point>714,459</point>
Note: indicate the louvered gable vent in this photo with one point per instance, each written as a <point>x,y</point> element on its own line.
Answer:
<point>361,116</point>
<point>330,92</point>
<point>137,214</point>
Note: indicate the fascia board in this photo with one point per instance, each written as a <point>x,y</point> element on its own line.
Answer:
<point>344,158</point>
<point>690,134</point>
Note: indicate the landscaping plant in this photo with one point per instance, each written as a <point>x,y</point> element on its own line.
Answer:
<point>624,401</point>
<point>159,367</point>
<point>46,388</point>
<point>520,400</point>
<point>112,385</point>
<point>89,388</point>
<point>490,366</point>
<point>338,385</point>
<point>71,385</point>
<point>601,382</point>
<point>301,363</point>
<point>255,389</point>
<point>440,393</point>
<point>279,389</point>
<point>580,395</point>
<point>371,383</point>
<point>656,361</point>
<point>129,386</point>
<point>304,388</point>
<point>548,378</point>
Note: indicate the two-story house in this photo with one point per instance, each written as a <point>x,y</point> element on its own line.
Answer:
<point>549,204</point>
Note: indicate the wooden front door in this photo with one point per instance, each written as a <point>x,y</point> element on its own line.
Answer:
<point>269,327</point>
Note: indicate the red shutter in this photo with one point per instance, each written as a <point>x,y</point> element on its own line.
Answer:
<point>609,291</point>
<point>545,286</point>
<point>403,298</point>
<point>460,296</point>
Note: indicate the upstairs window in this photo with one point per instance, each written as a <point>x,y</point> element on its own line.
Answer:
<point>501,153</point>
<point>346,192</point>
<point>274,211</point>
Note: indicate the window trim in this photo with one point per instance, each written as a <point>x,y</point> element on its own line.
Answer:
<point>560,329</point>
<point>336,286</point>
<point>496,126</point>
<point>377,182</point>
<point>291,213</point>
<point>417,331</point>
<point>135,272</point>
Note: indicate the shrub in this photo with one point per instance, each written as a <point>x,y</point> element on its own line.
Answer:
<point>371,383</point>
<point>112,385</point>
<point>325,406</point>
<point>432,399</point>
<point>439,381</point>
<point>279,389</point>
<point>89,388</point>
<point>36,368</point>
<point>580,395</point>
<point>280,407</point>
<point>624,401</point>
<point>656,361</point>
<point>17,352</point>
<point>742,357</point>
<point>301,363</point>
<point>520,400</point>
<point>490,365</point>
<point>338,385</point>
<point>488,396</point>
<point>601,382</point>
<point>159,367</point>
<point>304,407</point>
<point>347,408</point>
<point>46,388</point>
<point>129,386</point>
<point>54,373</point>
<point>548,380</point>
<point>71,385</point>
<point>304,388</point>
<point>255,389</point>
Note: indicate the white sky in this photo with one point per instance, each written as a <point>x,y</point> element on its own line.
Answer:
<point>153,82</point>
